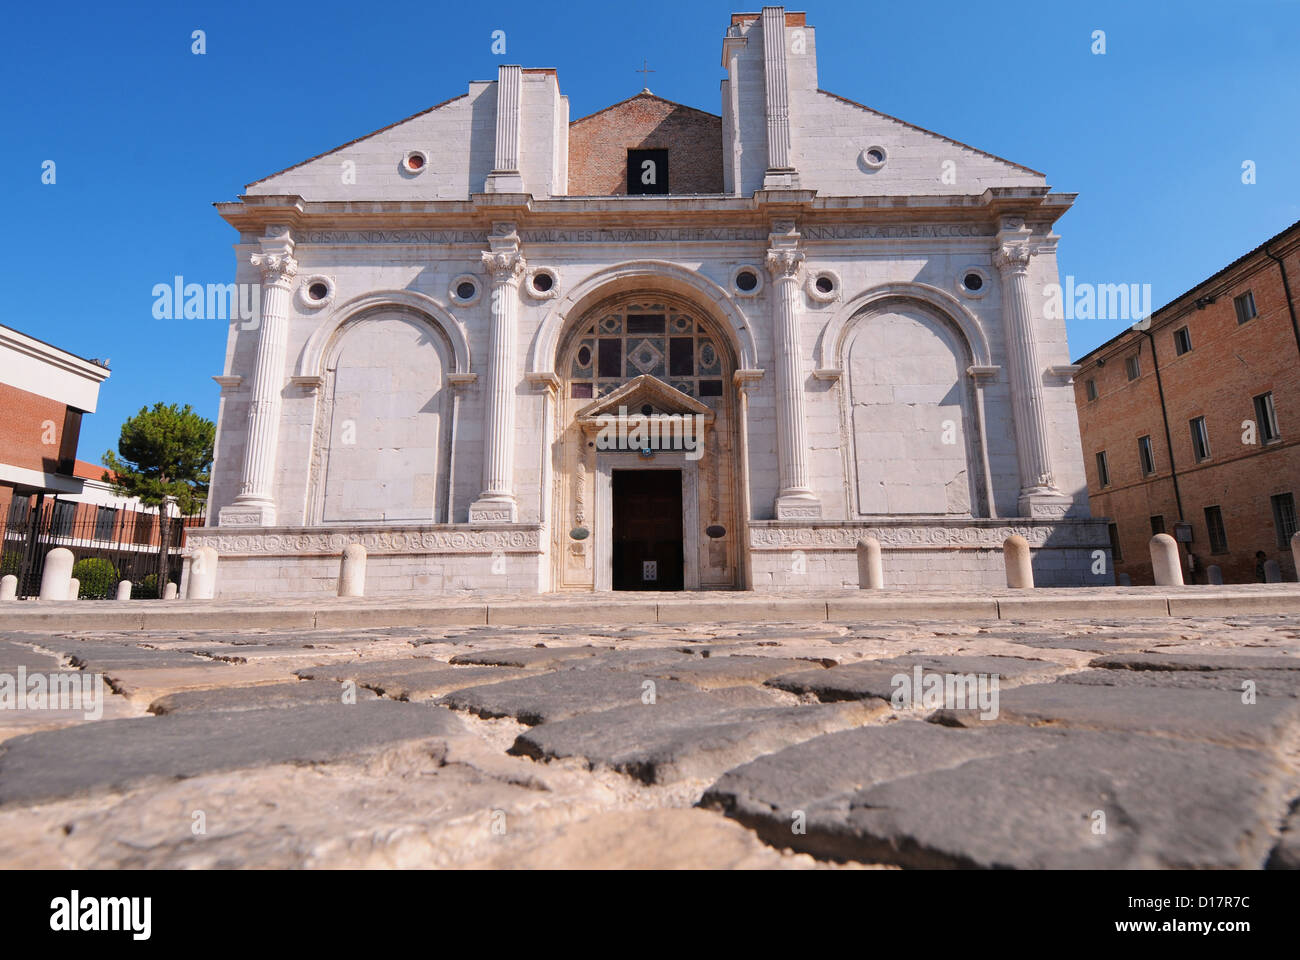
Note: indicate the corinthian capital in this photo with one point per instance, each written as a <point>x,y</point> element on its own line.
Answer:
<point>277,268</point>
<point>506,266</point>
<point>784,263</point>
<point>1013,256</point>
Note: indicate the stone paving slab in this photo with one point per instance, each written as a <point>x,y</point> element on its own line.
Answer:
<point>565,693</point>
<point>729,671</point>
<point>926,796</point>
<point>1214,716</point>
<point>259,697</point>
<point>875,678</point>
<point>365,671</point>
<point>1265,683</point>
<point>14,655</point>
<point>693,736</point>
<point>1189,661</point>
<point>116,754</point>
<point>526,657</point>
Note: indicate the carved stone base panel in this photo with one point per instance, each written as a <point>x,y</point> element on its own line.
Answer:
<point>247,515</point>
<point>494,510</point>
<point>940,534</point>
<point>415,540</point>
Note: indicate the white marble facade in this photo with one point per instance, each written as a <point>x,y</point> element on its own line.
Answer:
<point>864,300</point>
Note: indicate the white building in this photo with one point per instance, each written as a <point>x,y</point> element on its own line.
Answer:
<point>458,310</point>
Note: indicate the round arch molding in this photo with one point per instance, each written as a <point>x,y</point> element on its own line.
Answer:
<point>311,362</point>
<point>634,276</point>
<point>830,345</point>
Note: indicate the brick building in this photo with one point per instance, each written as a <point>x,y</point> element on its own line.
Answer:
<point>1191,426</point>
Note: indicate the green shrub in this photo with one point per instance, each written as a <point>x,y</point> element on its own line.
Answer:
<point>11,563</point>
<point>98,577</point>
<point>146,589</point>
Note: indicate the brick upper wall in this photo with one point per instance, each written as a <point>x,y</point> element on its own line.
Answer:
<point>598,146</point>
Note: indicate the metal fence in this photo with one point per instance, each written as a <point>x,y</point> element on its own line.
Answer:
<point>110,544</point>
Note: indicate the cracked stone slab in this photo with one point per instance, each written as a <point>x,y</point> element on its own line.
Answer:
<point>425,685</point>
<point>526,657</point>
<point>111,657</point>
<point>564,693</point>
<point>729,671</point>
<point>1196,661</point>
<point>875,678</point>
<point>1215,716</point>
<point>14,655</point>
<point>1266,683</point>
<point>919,795</point>
<point>693,736</point>
<point>119,754</point>
<point>295,693</point>
<point>368,671</point>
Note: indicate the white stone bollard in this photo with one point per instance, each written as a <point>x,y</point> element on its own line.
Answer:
<point>1214,574</point>
<point>871,571</point>
<point>169,592</point>
<point>203,574</point>
<point>74,588</point>
<point>8,587</point>
<point>1272,572</point>
<point>57,576</point>
<point>124,590</point>
<point>352,571</point>
<point>1020,569</point>
<point>1164,561</point>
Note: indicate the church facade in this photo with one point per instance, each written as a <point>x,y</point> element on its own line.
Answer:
<point>651,348</point>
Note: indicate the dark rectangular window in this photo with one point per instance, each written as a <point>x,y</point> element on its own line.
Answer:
<point>1103,470</point>
<point>645,323</point>
<point>610,358</point>
<point>710,388</point>
<point>1284,518</point>
<point>1214,525</point>
<point>1157,524</point>
<point>65,511</point>
<point>1133,366</point>
<point>1182,341</point>
<point>647,171</point>
<point>681,357</point>
<point>580,391</point>
<point>1266,417</point>
<point>105,522</point>
<point>1200,439</point>
<point>1245,306</point>
<point>1117,555</point>
<point>1146,457</point>
<point>1092,389</point>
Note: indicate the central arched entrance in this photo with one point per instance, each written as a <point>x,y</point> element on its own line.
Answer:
<point>646,455</point>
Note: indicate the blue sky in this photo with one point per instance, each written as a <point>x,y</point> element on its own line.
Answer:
<point>146,135</point>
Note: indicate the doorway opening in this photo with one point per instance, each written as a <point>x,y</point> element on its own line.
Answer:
<point>647,535</point>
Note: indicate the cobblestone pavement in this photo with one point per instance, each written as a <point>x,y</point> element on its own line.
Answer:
<point>1168,742</point>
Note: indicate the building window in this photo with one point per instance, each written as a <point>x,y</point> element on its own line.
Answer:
<point>1245,305</point>
<point>647,171</point>
<point>1266,417</point>
<point>65,511</point>
<point>1157,524</point>
<point>1117,555</point>
<point>105,523</point>
<point>1200,439</point>
<point>1284,518</point>
<point>1092,389</point>
<point>1214,525</point>
<point>1182,341</point>
<point>1134,367</point>
<point>1146,457</point>
<point>1103,469</point>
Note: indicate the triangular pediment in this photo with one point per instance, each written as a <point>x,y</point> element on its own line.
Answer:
<point>631,399</point>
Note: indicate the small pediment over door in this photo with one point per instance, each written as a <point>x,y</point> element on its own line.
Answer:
<point>640,401</point>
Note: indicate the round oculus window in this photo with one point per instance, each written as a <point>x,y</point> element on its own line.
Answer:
<point>972,281</point>
<point>746,280</point>
<point>465,290</point>
<point>825,284</point>
<point>318,291</point>
<point>543,282</point>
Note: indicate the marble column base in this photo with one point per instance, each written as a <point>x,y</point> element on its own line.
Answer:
<point>494,509</point>
<point>1045,503</point>
<point>798,506</point>
<point>252,513</point>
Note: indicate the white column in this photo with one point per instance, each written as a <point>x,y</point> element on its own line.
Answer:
<point>795,499</point>
<point>1039,496</point>
<point>505,176</point>
<point>255,503</point>
<point>780,174</point>
<point>496,504</point>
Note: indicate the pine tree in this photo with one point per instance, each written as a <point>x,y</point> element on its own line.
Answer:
<point>164,452</point>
